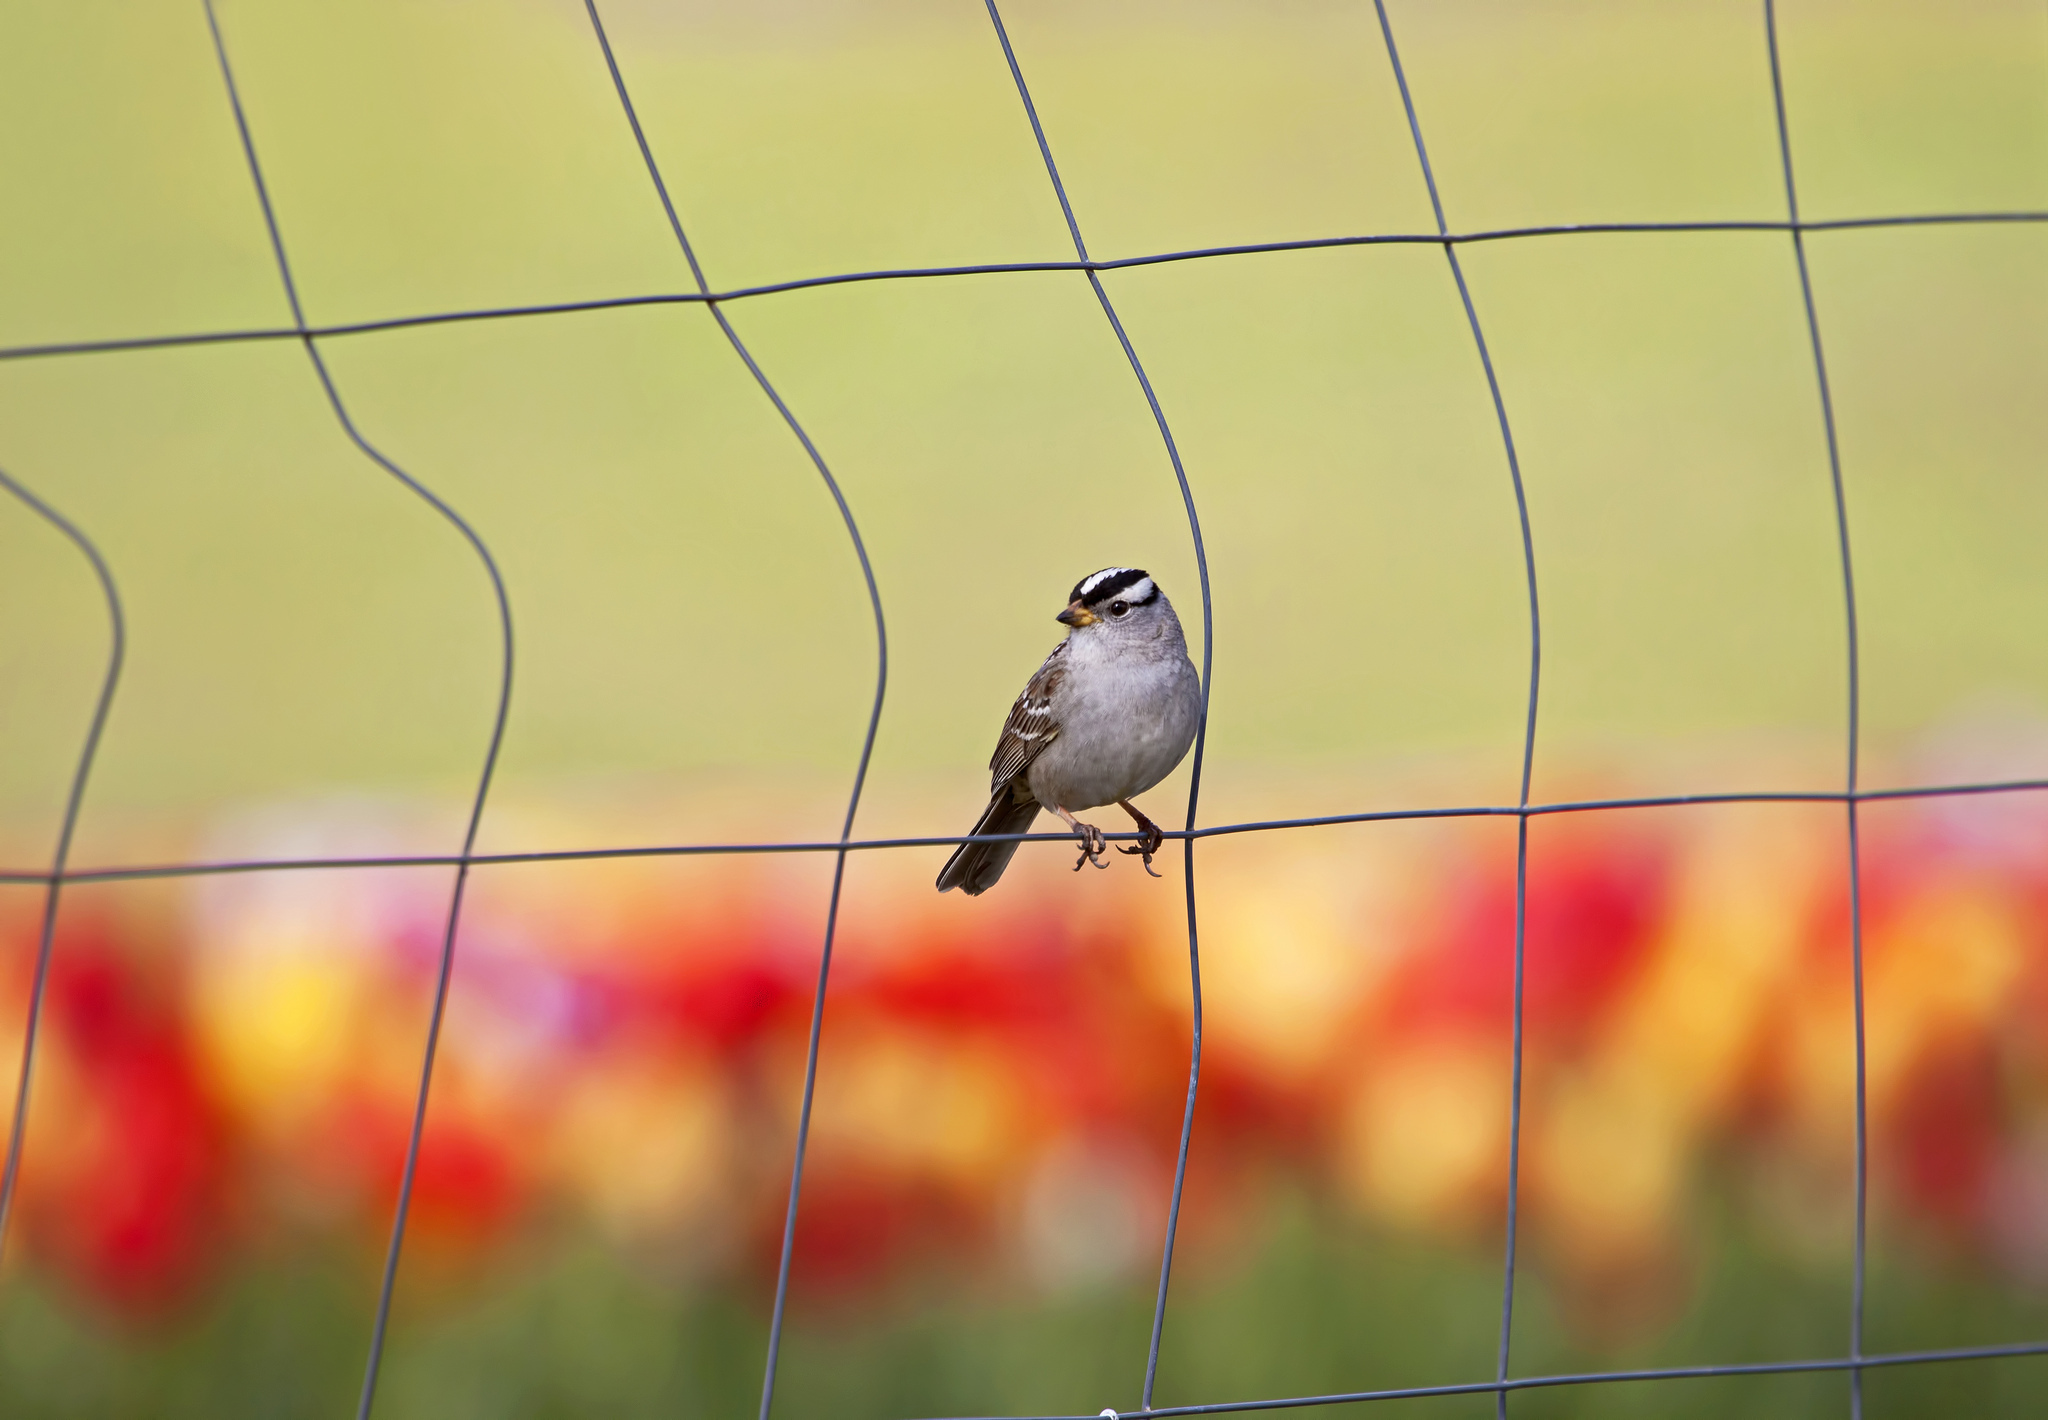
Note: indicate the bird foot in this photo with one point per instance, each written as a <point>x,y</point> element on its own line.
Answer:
<point>1093,845</point>
<point>1144,855</point>
<point>1150,836</point>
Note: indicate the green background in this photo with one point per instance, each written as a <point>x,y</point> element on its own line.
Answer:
<point>684,596</point>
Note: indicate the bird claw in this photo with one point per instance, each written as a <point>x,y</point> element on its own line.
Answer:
<point>1093,845</point>
<point>1144,855</point>
<point>1149,839</point>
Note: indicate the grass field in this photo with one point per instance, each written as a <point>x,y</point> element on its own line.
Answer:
<point>684,597</point>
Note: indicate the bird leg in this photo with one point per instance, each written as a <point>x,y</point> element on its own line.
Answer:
<point>1092,842</point>
<point>1149,835</point>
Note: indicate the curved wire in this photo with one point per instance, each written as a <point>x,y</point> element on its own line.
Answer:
<point>117,651</point>
<point>1855,708</point>
<point>446,964</point>
<point>1187,1121</point>
<point>867,748</point>
<point>1507,436</point>
<point>1006,268</point>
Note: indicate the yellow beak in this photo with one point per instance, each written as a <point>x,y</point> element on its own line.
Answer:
<point>1077,615</point>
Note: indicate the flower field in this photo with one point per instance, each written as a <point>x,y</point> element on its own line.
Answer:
<point>232,1060</point>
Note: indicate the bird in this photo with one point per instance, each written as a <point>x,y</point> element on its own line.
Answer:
<point>1112,711</point>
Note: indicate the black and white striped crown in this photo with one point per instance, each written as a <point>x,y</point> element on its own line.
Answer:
<point>1128,583</point>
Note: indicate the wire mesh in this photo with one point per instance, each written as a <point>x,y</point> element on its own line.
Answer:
<point>1855,1362</point>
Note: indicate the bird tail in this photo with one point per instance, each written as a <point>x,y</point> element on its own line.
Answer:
<point>974,867</point>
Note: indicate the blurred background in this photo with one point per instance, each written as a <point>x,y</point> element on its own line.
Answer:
<point>221,1101</point>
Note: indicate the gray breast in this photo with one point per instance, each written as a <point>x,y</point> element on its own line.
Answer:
<point>1124,725</point>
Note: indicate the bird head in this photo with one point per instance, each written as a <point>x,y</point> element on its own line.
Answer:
<point>1120,602</point>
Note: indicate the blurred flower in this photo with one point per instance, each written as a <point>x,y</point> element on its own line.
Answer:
<point>1000,1087</point>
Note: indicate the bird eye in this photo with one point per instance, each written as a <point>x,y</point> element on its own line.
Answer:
<point>1119,608</point>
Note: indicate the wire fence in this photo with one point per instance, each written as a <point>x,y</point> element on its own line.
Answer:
<point>1855,1361</point>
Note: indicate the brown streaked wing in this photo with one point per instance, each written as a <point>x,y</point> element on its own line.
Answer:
<point>1031,726</point>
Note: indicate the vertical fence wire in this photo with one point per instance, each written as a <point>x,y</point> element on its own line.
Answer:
<point>1854,706</point>
<point>1187,1121</point>
<point>74,798</point>
<point>445,964</point>
<point>1507,437</point>
<point>867,747</point>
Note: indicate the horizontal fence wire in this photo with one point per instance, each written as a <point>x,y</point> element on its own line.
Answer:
<point>308,335</point>
<point>122,873</point>
<point>2013,1351</point>
<point>1008,268</point>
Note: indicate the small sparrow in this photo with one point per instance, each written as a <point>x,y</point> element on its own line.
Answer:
<point>1110,713</point>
